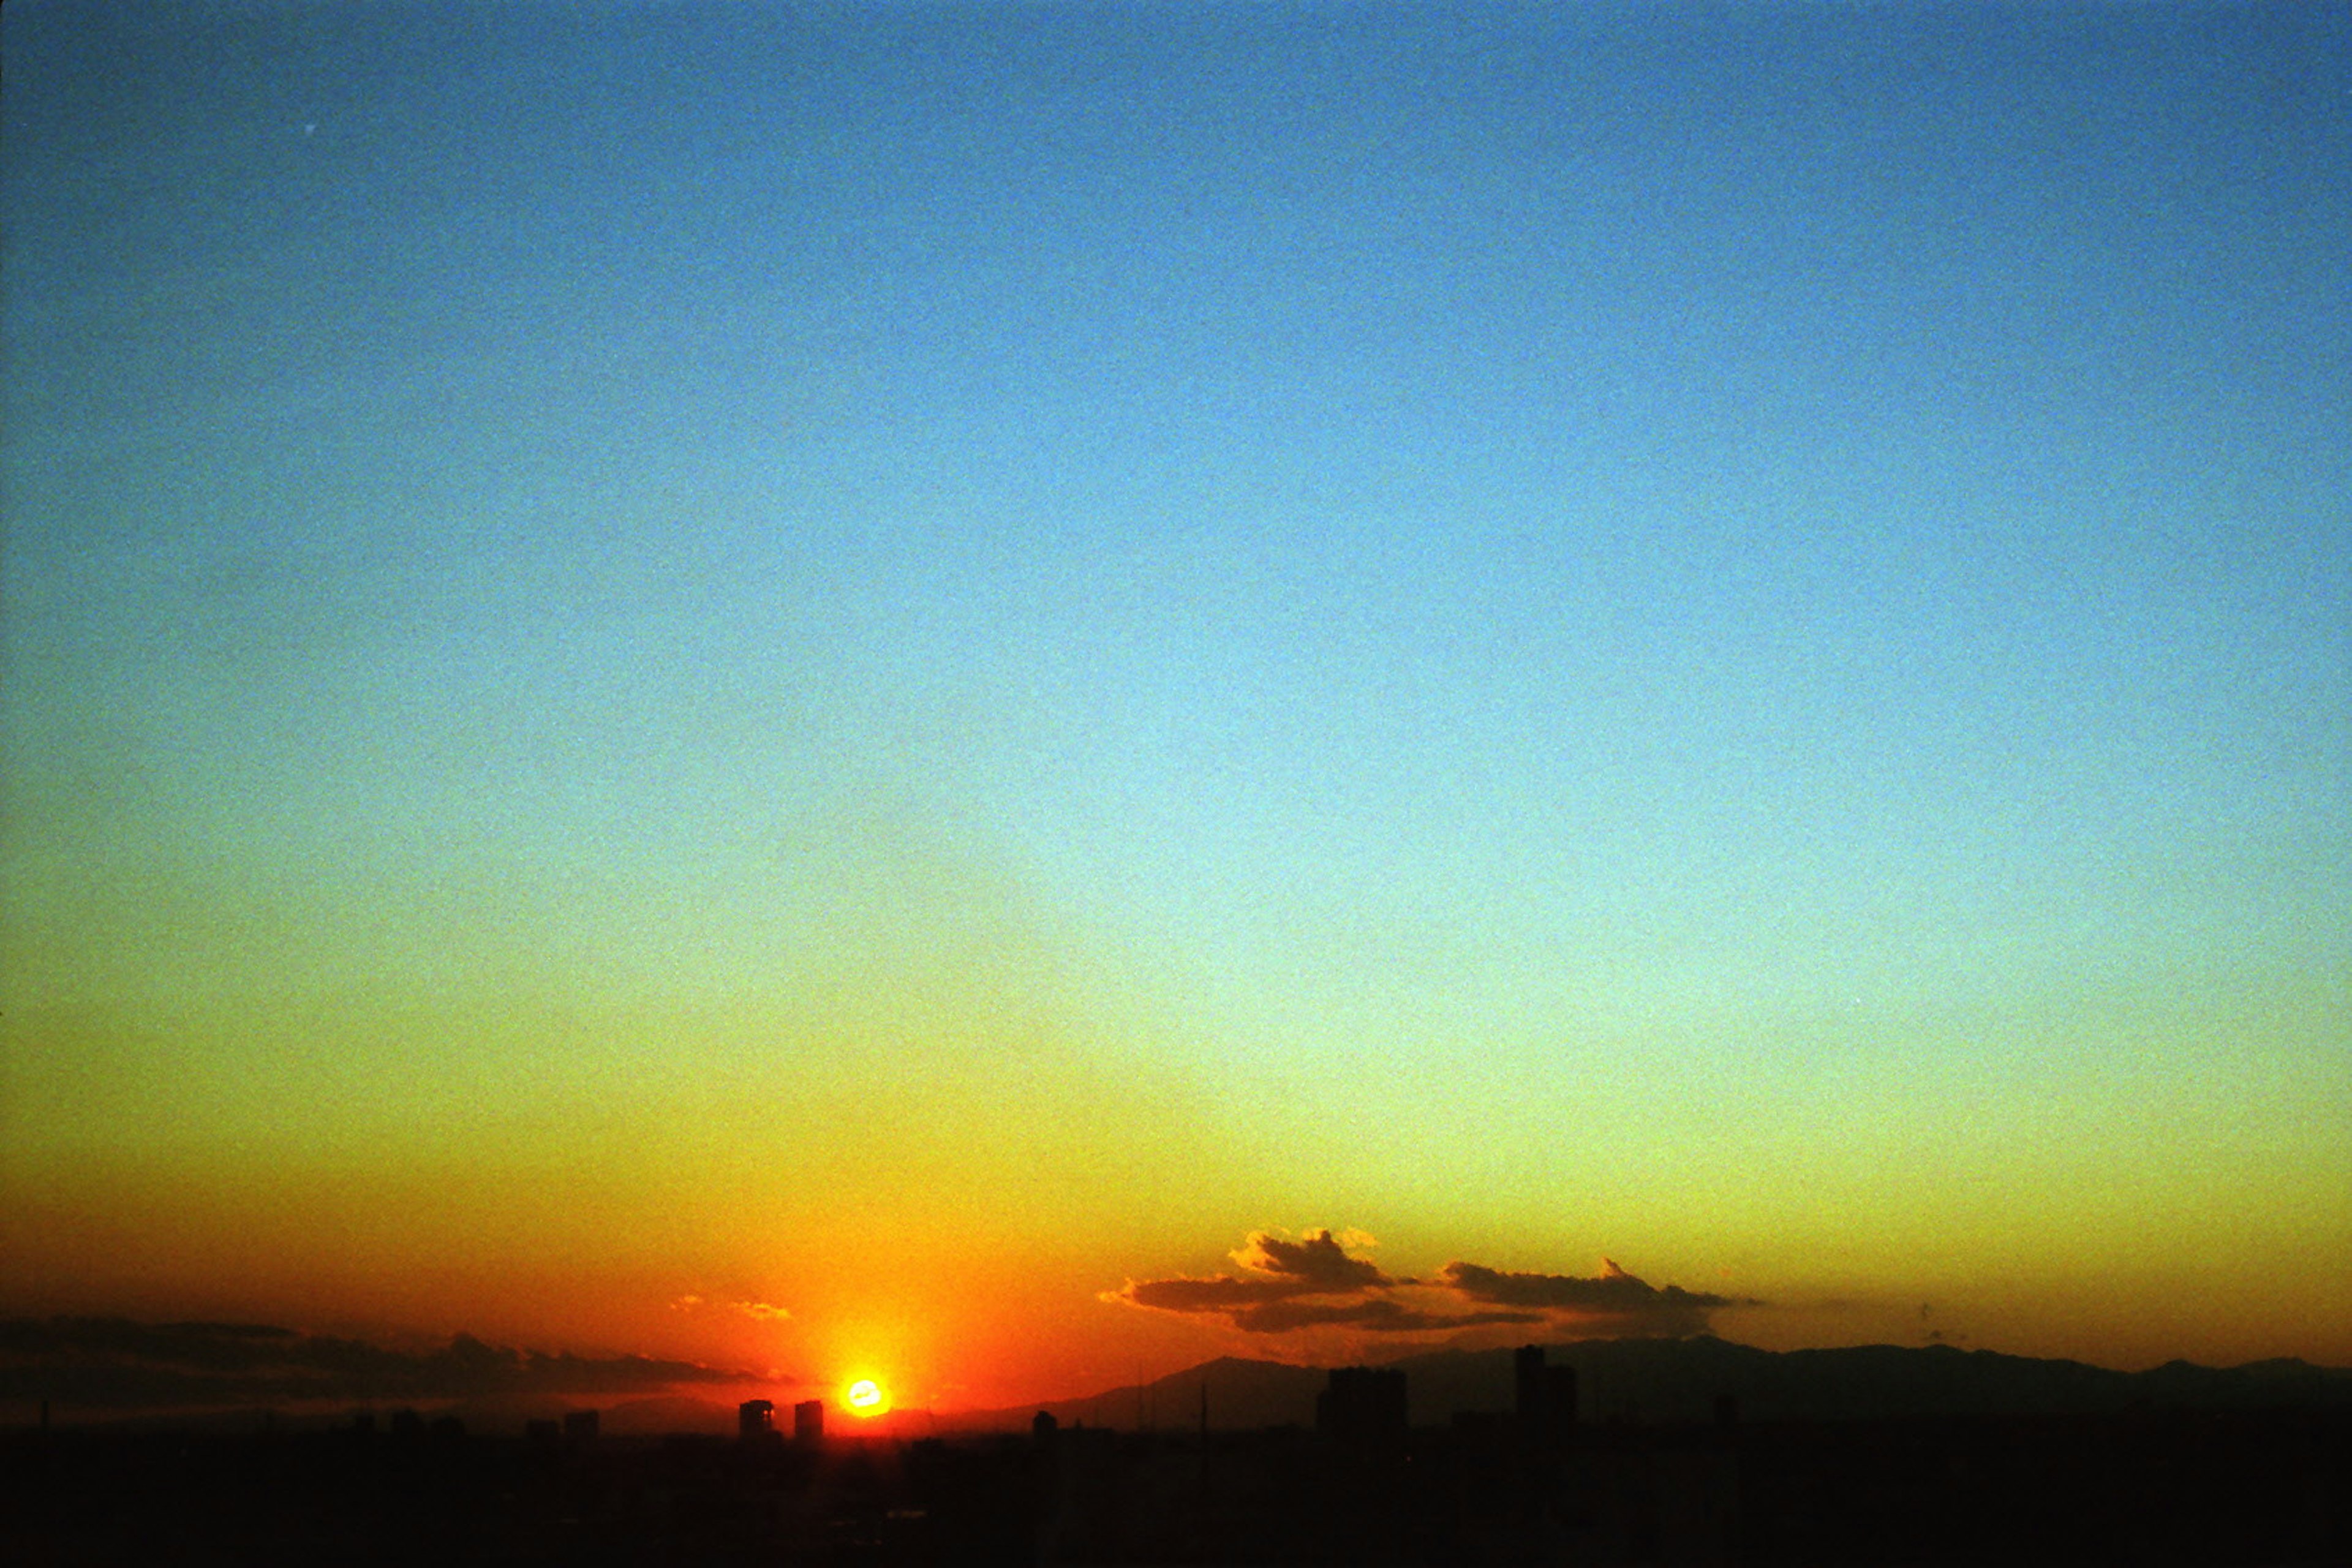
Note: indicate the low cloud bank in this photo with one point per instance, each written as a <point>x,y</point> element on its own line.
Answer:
<point>1612,1302</point>
<point>1314,1281</point>
<point>113,1363</point>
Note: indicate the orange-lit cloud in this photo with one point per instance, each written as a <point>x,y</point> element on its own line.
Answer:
<point>762,1312</point>
<point>1315,1283</point>
<point>1276,1271</point>
<point>1318,1260</point>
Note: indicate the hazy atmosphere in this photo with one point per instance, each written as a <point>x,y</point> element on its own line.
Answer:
<point>1002,697</point>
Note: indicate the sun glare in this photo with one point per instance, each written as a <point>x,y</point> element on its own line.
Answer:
<point>866,1399</point>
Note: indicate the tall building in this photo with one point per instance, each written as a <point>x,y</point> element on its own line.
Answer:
<point>1527,1382</point>
<point>808,1422</point>
<point>1544,1397</point>
<point>755,1418</point>
<point>1363,1403</point>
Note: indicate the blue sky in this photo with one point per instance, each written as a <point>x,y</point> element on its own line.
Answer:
<point>1748,569</point>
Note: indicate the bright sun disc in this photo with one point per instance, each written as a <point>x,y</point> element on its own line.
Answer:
<point>866,1396</point>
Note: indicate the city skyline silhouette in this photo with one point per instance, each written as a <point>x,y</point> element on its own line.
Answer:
<point>940,713</point>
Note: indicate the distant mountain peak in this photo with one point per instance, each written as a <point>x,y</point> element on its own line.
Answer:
<point>1671,1380</point>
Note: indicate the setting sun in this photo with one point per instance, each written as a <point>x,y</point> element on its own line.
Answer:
<point>1258,692</point>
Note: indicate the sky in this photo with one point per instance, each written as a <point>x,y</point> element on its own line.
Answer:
<point>874,690</point>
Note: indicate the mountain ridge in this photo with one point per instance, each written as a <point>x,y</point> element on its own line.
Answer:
<point>1673,1380</point>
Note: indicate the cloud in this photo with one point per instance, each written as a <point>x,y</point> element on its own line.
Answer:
<point>1279,1269</point>
<point>764,1312</point>
<point>1316,1261</point>
<point>1612,1302</point>
<point>761,1311</point>
<point>1612,1289</point>
<point>1382,1315</point>
<point>1222,1293</point>
<point>1315,1283</point>
<point>115,1363</point>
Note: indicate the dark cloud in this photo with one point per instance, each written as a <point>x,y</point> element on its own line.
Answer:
<point>1318,1262</point>
<point>1221,1294</point>
<point>1381,1314</point>
<point>1278,1269</point>
<point>1611,1291</point>
<point>1314,1282</point>
<point>111,1362</point>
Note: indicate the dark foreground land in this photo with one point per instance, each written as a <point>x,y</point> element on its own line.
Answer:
<point>2149,1488</point>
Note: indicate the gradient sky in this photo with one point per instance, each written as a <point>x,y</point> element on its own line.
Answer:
<point>902,663</point>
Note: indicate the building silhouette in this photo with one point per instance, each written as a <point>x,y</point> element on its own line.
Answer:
<point>808,1422</point>
<point>2153,1487</point>
<point>1544,1398</point>
<point>755,1418</point>
<point>1363,1403</point>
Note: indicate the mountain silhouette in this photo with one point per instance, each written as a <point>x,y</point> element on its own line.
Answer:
<point>1674,1379</point>
<point>1243,1394</point>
